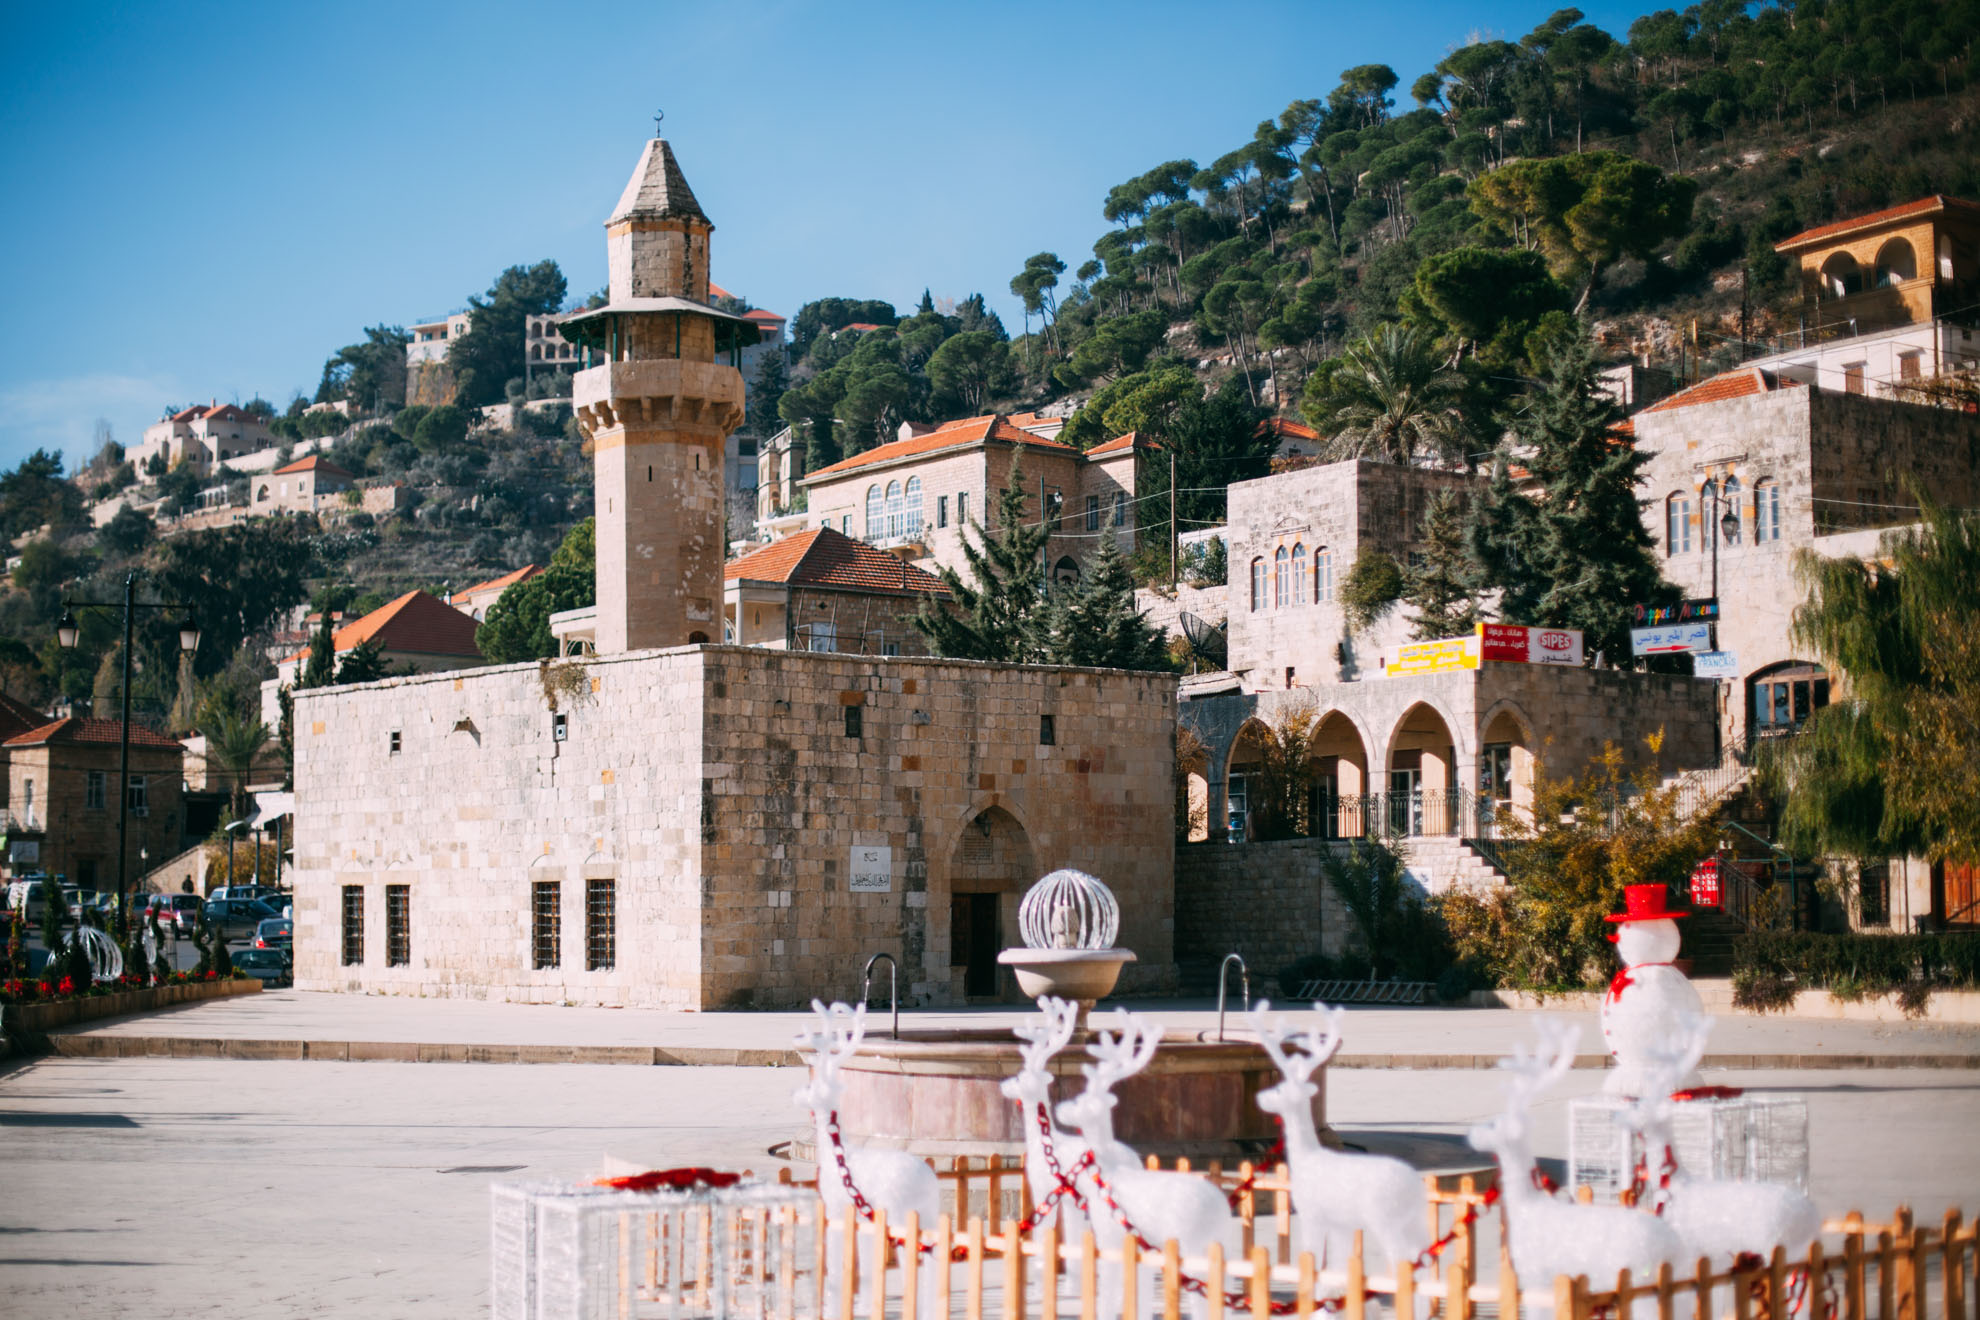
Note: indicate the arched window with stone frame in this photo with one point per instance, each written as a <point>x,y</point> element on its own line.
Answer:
<point>1677,525</point>
<point>1295,591</point>
<point>1281,579</point>
<point>1766,510</point>
<point>1258,583</point>
<point>876,514</point>
<point>1323,575</point>
<point>911,508</point>
<point>1709,509</point>
<point>894,514</point>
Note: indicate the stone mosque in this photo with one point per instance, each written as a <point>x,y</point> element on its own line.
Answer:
<point>677,823</point>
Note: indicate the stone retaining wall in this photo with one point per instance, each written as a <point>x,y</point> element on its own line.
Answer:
<point>1268,902</point>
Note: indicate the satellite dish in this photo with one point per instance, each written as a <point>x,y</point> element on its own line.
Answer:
<point>1206,639</point>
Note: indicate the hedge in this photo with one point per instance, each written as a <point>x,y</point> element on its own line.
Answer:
<point>1770,967</point>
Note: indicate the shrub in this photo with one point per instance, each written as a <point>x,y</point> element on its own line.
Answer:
<point>1856,967</point>
<point>1761,991</point>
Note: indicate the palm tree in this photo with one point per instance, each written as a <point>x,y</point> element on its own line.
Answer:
<point>1390,397</point>
<point>234,742</point>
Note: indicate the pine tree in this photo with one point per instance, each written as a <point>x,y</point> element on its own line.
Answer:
<point>993,618</point>
<point>320,667</point>
<point>1439,586</point>
<point>1579,555</point>
<point>1498,538</point>
<point>1093,622</point>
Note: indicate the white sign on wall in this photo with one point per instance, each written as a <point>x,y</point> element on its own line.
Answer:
<point>1715,664</point>
<point>1674,639</point>
<point>24,851</point>
<point>871,870</point>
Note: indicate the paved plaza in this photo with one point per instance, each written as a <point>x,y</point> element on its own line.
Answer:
<point>173,1187</point>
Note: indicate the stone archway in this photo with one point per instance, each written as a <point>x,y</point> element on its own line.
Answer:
<point>1192,786</point>
<point>1339,779</point>
<point>990,866</point>
<point>1506,764</point>
<point>1242,768</point>
<point>1422,766</point>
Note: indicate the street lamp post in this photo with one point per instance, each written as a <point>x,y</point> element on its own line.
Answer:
<point>1724,525</point>
<point>68,631</point>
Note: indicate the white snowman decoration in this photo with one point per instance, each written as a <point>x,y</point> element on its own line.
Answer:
<point>1651,1008</point>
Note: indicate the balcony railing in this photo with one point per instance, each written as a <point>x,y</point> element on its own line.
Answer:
<point>1452,813</point>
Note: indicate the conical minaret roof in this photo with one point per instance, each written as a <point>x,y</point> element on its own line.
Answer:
<point>658,190</point>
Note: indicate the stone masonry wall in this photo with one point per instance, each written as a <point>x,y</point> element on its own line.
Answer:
<point>1268,902</point>
<point>721,791</point>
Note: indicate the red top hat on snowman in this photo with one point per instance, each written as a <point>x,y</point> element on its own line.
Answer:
<point>1645,903</point>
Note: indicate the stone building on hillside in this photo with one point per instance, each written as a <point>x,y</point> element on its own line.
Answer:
<point>675,822</point>
<point>203,438</point>
<point>914,496</point>
<point>821,591</point>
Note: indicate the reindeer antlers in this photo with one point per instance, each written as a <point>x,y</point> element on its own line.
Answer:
<point>1120,1054</point>
<point>1535,1068</point>
<point>843,1028</point>
<point>1045,1038</point>
<point>1313,1047</point>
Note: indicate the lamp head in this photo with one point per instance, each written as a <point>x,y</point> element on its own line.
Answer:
<point>68,631</point>
<point>189,635</point>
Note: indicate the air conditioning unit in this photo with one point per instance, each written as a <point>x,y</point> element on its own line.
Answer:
<point>140,812</point>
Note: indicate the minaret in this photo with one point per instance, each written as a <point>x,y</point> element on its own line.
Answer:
<point>655,403</point>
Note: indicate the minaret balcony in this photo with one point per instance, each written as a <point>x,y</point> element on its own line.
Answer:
<point>658,392</point>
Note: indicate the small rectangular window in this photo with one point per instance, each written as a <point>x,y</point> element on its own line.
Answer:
<point>1092,513</point>
<point>1120,508</point>
<point>1047,732</point>
<point>962,509</point>
<point>93,791</point>
<point>855,722</point>
<point>1055,503</point>
<point>1853,377</point>
<point>138,799</point>
<point>845,525</point>
<point>601,932</point>
<point>353,925</point>
<point>398,929</point>
<point>941,510</point>
<point>545,923</point>
<point>395,742</point>
<point>1908,366</point>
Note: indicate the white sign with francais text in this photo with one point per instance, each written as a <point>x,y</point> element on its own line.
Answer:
<point>871,870</point>
<point>1715,664</point>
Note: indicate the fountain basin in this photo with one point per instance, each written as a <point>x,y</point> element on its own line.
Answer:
<point>1082,974</point>
<point>939,1094</point>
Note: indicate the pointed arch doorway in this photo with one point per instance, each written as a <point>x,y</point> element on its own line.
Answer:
<point>989,870</point>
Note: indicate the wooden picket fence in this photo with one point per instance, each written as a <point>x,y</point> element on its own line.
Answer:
<point>977,1262</point>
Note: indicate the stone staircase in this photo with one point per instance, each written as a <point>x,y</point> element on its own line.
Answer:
<point>1443,860</point>
<point>1708,941</point>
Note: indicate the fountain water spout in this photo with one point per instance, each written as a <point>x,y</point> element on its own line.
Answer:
<point>1223,983</point>
<point>893,987</point>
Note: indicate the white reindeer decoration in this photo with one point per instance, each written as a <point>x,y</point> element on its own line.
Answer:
<point>1043,1037</point>
<point>1335,1192</point>
<point>892,1181</point>
<point>1546,1235</point>
<point>1718,1218</point>
<point>1154,1205</point>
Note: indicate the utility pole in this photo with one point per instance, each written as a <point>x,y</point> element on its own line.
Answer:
<point>1172,521</point>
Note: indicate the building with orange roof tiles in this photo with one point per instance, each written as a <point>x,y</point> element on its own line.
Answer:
<point>58,797</point>
<point>823,591</point>
<point>415,634</point>
<point>474,601</point>
<point>915,495</point>
<point>202,437</point>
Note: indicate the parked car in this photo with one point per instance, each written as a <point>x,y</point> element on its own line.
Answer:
<point>25,895</point>
<point>275,933</point>
<point>265,893</point>
<point>176,912</point>
<point>238,917</point>
<point>269,966</point>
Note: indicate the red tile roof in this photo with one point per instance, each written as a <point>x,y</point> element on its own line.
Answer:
<point>717,291</point>
<point>758,314</point>
<point>1121,444</point>
<point>951,435</point>
<point>825,558</point>
<point>1726,385</point>
<point>18,717</point>
<point>415,623</point>
<point>1907,211</point>
<point>861,326</point>
<point>1287,429</point>
<point>76,729</point>
<point>503,583</point>
<point>227,412</point>
<point>315,463</point>
<point>189,414</point>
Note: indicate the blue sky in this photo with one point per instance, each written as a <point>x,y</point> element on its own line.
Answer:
<point>207,200</point>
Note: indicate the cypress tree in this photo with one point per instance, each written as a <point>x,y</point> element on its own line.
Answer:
<point>1578,556</point>
<point>1498,538</point>
<point>993,617</point>
<point>1439,586</point>
<point>1093,622</point>
<point>320,667</point>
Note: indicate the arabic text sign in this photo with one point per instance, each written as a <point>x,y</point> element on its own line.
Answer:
<point>1437,657</point>
<point>1673,640</point>
<point>871,870</point>
<point>1516,643</point>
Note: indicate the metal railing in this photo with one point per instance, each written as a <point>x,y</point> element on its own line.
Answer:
<point>1453,813</point>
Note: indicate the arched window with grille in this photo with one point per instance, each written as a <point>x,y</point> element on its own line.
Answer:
<point>1766,511</point>
<point>1298,580</point>
<point>911,508</point>
<point>1281,579</point>
<point>893,509</point>
<point>876,514</point>
<point>1709,510</point>
<point>1258,583</point>
<point>1677,525</point>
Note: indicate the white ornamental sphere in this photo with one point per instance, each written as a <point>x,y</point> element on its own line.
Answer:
<point>1069,910</point>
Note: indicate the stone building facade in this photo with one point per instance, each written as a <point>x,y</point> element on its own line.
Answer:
<point>1796,468</point>
<point>59,806</point>
<point>719,827</point>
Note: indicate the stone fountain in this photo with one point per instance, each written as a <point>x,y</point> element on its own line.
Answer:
<point>936,1092</point>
